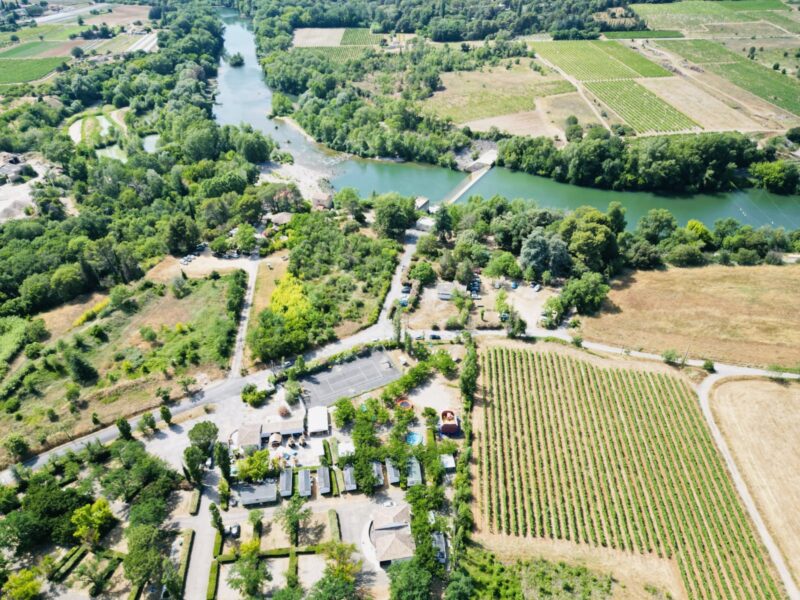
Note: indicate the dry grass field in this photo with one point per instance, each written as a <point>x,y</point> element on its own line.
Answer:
<point>731,314</point>
<point>266,280</point>
<point>472,95</point>
<point>316,37</point>
<point>760,420</point>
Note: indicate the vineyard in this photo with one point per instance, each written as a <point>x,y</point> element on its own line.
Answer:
<point>639,107</point>
<point>339,54</point>
<point>360,37</point>
<point>616,458</point>
<point>596,61</point>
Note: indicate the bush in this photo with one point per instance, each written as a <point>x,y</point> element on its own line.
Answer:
<point>213,577</point>
<point>217,545</point>
<point>670,357</point>
<point>708,365</point>
<point>186,555</point>
<point>333,523</point>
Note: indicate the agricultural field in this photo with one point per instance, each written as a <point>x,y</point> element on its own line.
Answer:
<point>730,314</point>
<point>59,32</point>
<point>612,457</point>
<point>317,37</point>
<point>21,70</point>
<point>501,90</point>
<point>596,61</point>
<point>360,36</point>
<point>644,34</point>
<point>781,90</point>
<point>770,52</point>
<point>639,107</point>
<point>127,352</point>
<point>759,420</point>
<point>30,49</point>
<point>695,15</point>
<point>338,54</point>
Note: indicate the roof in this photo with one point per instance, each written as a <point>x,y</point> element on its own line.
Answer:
<point>414,472</point>
<point>294,425</point>
<point>324,480</point>
<point>391,517</point>
<point>261,493</point>
<point>304,482</point>
<point>440,543</point>
<point>424,224</point>
<point>318,419</point>
<point>421,203</point>
<point>392,472</point>
<point>350,479</point>
<point>287,482</point>
<point>377,470</point>
<point>445,287</point>
<point>448,462</point>
<point>394,545</point>
<point>250,435</point>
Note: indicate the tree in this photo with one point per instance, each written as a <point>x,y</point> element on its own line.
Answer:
<point>170,579</point>
<point>22,585</point>
<point>203,435</point>
<point>79,368</point>
<point>347,200</point>
<point>16,446</point>
<point>587,293</point>
<point>186,383</point>
<point>423,271</point>
<point>409,580</point>
<point>216,519</point>
<point>339,560</point>
<point>291,515</point>
<point>147,423</point>
<point>331,587</point>
<point>124,428</point>
<point>535,253</point>
<point>92,520</point>
<point>249,574</point>
<point>194,459</point>
<point>68,280</point>
<point>166,414</point>
<point>344,413</point>
<point>443,225</point>
<point>143,562</point>
<point>223,459</point>
<point>281,105</point>
<point>503,263</point>
<point>657,225</point>
<point>182,234</point>
<point>77,52</point>
<point>616,216</point>
<point>460,587</point>
<point>393,215</point>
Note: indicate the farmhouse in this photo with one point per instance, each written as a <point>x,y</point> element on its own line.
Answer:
<point>318,420</point>
<point>324,480</point>
<point>294,425</point>
<point>281,218</point>
<point>262,493</point>
<point>286,483</point>
<point>448,462</point>
<point>421,203</point>
<point>424,224</point>
<point>390,533</point>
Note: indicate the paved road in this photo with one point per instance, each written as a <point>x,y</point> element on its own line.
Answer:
<point>251,269</point>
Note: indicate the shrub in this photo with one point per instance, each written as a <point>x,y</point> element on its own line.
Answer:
<point>708,365</point>
<point>333,523</point>
<point>217,545</point>
<point>194,502</point>
<point>670,357</point>
<point>213,576</point>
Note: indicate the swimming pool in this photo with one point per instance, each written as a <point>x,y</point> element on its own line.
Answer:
<point>413,438</point>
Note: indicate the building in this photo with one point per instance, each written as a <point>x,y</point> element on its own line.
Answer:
<point>424,224</point>
<point>449,423</point>
<point>440,545</point>
<point>422,203</point>
<point>318,422</point>
<point>448,462</point>
<point>323,480</point>
<point>304,483</point>
<point>293,425</point>
<point>390,533</point>
<point>249,437</point>
<point>445,290</point>
<point>392,472</point>
<point>262,493</point>
<point>377,470</point>
<point>414,472</point>
<point>350,479</point>
<point>286,483</point>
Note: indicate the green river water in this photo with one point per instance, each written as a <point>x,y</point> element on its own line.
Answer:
<point>243,96</point>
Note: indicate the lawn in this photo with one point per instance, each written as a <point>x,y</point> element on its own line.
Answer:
<point>597,61</point>
<point>731,314</point>
<point>28,49</point>
<point>21,70</point>
<point>360,36</point>
<point>772,86</point>
<point>575,449</point>
<point>639,107</point>
<point>470,95</point>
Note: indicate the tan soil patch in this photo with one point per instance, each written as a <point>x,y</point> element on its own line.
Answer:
<point>631,572</point>
<point>310,569</point>
<point>530,122</point>
<point>316,37</point>
<point>558,108</point>
<point>760,420</point>
<point>123,14</point>
<point>315,530</point>
<point>431,311</point>
<point>60,320</point>
<point>170,268</point>
<point>731,314</point>
<point>701,106</point>
<point>273,536</point>
<point>63,49</point>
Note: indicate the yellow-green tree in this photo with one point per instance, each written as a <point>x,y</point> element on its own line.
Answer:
<point>92,520</point>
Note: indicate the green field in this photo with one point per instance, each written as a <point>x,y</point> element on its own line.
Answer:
<point>693,14</point>
<point>21,70</point>
<point>360,37</point>
<point>780,19</point>
<point>597,61</point>
<point>57,32</point>
<point>772,86</point>
<point>614,458</point>
<point>639,107</point>
<point>642,35</point>
<point>337,54</point>
<point>29,49</point>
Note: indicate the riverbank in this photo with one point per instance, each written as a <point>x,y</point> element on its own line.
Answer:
<point>309,180</point>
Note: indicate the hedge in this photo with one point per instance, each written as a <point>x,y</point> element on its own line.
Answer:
<point>136,591</point>
<point>186,555</point>
<point>275,553</point>
<point>305,550</point>
<point>333,522</point>
<point>213,577</point>
<point>107,572</point>
<point>72,562</point>
<point>56,566</point>
<point>326,447</point>
<point>194,502</point>
<point>217,545</point>
<point>226,559</point>
<point>291,572</point>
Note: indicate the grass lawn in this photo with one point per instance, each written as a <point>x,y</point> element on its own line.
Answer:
<point>188,334</point>
<point>733,314</point>
<point>470,95</point>
<point>21,70</point>
<point>28,49</point>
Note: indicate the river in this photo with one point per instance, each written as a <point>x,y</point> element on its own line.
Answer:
<point>243,96</point>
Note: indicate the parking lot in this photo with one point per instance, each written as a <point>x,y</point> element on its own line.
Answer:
<point>349,379</point>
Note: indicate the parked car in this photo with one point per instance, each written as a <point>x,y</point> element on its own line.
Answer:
<point>435,336</point>
<point>537,288</point>
<point>236,531</point>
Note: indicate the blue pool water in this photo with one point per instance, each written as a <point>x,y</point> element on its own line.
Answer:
<point>413,438</point>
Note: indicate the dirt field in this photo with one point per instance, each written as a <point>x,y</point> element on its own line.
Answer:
<point>530,122</point>
<point>316,37</point>
<point>707,111</point>
<point>170,268</point>
<point>558,108</point>
<point>730,314</point>
<point>632,572</point>
<point>472,95</point>
<point>123,14</point>
<point>60,320</point>
<point>760,420</point>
